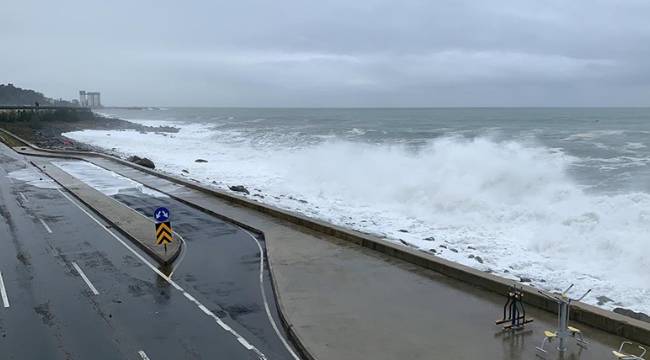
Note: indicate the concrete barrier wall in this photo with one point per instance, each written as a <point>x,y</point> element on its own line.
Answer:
<point>587,314</point>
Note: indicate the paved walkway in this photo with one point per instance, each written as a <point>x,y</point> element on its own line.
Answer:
<point>348,302</point>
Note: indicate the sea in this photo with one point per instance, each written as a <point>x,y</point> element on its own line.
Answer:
<point>546,196</point>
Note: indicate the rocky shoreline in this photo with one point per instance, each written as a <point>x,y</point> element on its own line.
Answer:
<point>48,133</point>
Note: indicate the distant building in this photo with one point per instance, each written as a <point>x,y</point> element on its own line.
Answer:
<point>89,99</point>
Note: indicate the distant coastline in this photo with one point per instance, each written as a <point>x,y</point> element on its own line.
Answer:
<point>45,127</point>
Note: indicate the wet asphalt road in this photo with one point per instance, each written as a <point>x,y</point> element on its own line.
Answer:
<point>54,314</point>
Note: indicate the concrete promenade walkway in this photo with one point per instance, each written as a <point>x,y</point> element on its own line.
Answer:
<point>343,301</point>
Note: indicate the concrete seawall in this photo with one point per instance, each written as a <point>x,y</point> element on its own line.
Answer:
<point>602,319</point>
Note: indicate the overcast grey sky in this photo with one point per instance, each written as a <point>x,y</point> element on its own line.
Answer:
<point>332,53</point>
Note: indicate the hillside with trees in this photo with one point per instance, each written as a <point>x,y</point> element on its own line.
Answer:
<point>11,95</point>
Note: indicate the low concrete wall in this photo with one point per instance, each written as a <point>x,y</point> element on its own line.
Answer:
<point>587,314</point>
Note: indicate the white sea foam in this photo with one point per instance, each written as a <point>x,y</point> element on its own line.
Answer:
<point>511,204</point>
<point>595,134</point>
<point>106,182</point>
<point>634,146</point>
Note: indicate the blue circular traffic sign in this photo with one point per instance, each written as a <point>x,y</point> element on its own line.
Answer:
<point>161,214</point>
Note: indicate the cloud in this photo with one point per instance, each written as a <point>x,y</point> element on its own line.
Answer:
<point>366,52</point>
<point>384,70</point>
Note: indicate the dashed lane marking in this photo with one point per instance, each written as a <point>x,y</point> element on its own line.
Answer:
<point>45,225</point>
<point>85,278</point>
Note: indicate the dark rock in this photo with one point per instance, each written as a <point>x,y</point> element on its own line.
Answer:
<point>147,163</point>
<point>443,246</point>
<point>454,250</point>
<point>407,244</point>
<point>430,238</point>
<point>201,161</point>
<point>403,230</point>
<point>259,195</point>
<point>603,300</point>
<point>479,259</point>
<point>239,188</point>
<point>471,248</point>
<point>433,251</point>
<point>633,314</point>
<point>141,161</point>
<point>525,279</point>
<point>185,171</point>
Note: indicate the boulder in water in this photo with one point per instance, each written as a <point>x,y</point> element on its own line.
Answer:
<point>239,188</point>
<point>201,161</point>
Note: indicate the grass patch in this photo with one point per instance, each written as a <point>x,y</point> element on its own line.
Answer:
<point>10,141</point>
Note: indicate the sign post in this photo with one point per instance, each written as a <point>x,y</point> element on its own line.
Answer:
<point>163,227</point>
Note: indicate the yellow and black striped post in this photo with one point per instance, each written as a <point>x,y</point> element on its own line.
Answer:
<point>164,234</point>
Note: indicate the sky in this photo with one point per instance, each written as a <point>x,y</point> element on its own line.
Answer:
<point>334,53</point>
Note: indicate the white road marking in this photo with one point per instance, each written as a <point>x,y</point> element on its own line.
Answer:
<point>204,309</point>
<point>83,276</point>
<point>3,292</point>
<point>246,344</point>
<point>266,304</point>
<point>181,257</point>
<point>143,355</point>
<point>23,196</point>
<point>45,225</point>
<point>223,325</point>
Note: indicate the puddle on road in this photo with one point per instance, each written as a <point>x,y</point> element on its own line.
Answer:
<point>33,177</point>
